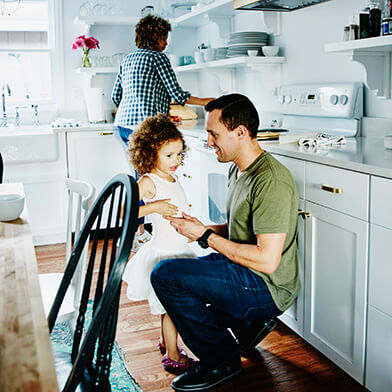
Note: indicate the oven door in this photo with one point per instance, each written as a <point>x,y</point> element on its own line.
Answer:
<point>213,187</point>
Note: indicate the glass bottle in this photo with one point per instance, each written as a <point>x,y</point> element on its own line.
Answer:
<point>374,20</point>
<point>364,23</point>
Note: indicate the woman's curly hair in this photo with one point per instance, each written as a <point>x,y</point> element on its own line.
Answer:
<point>149,137</point>
<point>150,30</point>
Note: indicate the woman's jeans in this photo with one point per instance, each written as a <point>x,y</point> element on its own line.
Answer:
<point>124,135</point>
<point>205,296</point>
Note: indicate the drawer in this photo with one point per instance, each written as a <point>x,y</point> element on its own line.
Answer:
<point>381,201</point>
<point>297,169</point>
<point>339,189</point>
<point>380,269</point>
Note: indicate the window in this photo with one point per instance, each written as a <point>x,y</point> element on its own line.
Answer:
<point>27,50</point>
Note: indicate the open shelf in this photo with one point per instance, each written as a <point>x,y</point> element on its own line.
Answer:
<point>269,68</point>
<point>375,56</point>
<point>233,62</point>
<point>97,70</point>
<point>88,21</point>
<point>199,15</point>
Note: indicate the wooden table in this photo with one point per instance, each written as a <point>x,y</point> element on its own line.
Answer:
<point>26,359</point>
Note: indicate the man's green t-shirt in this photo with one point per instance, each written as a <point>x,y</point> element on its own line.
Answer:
<point>264,199</point>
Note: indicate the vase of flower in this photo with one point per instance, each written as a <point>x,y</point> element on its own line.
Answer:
<point>85,60</point>
<point>86,43</point>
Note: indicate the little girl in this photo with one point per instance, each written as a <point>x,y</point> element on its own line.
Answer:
<point>156,150</point>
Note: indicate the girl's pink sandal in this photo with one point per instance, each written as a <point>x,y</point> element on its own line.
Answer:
<point>177,366</point>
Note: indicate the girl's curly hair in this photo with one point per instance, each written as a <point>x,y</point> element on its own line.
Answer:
<point>150,30</point>
<point>149,137</point>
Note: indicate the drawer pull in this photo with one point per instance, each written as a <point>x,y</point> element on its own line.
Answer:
<point>187,175</point>
<point>331,189</point>
<point>304,214</point>
<point>106,133</point>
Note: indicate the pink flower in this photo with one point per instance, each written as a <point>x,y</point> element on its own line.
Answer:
<point>85,43</point>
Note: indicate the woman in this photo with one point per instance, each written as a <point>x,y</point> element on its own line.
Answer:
<point>146,82</point>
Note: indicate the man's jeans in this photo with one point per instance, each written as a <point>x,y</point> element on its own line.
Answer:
<point>205,296</point>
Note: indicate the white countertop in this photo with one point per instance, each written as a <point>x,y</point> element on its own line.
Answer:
<point>363,154</point>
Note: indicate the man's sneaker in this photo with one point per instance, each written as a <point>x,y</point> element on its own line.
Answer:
<point>254,335</point>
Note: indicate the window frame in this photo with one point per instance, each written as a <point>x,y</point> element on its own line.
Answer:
<point>55,50</point>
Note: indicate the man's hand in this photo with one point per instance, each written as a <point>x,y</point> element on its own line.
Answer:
<point>188,226</point>
<point>164,208</point>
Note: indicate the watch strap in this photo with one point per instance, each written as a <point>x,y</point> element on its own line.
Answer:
<point>203,240</point>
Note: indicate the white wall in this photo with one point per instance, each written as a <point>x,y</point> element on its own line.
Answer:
<point>302,38</point>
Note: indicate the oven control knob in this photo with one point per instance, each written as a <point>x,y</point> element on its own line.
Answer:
<point>343,99</point>
<point>333,99</point>
<point>281,99</point>
<point>288,98</point>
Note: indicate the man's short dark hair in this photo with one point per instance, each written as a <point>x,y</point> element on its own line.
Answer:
<point>237,110</point>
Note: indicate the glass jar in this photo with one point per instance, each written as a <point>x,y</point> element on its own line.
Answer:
<point>374,20</point>
<point>386,26</point>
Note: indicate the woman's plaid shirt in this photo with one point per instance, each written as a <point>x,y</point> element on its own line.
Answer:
<point>144,87</point>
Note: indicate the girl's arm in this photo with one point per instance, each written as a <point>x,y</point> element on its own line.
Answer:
<point>147,190</point>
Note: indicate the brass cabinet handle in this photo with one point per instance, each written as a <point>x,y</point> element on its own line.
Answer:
<point>186,175</point>
<point>105,133</point>
<point>304,214</point>
<point>331,189</point>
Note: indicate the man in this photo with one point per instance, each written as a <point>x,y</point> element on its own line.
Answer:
<point>254,275</point>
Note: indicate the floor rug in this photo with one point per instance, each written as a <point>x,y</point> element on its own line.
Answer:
<point>120,378</point>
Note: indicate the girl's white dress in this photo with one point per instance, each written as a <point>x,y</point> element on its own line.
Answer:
<point>165,243</point>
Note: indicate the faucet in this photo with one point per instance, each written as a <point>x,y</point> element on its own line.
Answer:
<point>4,88</point>
<point>36,118</point>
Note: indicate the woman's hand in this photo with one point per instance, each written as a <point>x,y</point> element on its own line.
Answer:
<point>163,207</point>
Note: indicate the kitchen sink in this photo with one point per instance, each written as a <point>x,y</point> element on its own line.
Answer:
<point>26,144</point>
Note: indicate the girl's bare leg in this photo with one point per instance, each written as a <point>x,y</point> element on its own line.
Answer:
<point>170,335</point>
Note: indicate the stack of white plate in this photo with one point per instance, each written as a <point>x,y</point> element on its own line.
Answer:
<point>221,53</point>
<point>241,42</point>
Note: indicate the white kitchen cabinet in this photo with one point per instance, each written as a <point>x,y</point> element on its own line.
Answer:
<point>378,353</point>
<point>335,286</point>
<point>95,157</point>
<point>379,324</point>
<point>294,316</point>
<point>189,176</point>
<point>43,178</point>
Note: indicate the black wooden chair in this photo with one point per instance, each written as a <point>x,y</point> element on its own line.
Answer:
<point>1,169</point>
<point>115,211</point>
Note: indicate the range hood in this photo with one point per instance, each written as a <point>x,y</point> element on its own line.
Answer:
<point>274,5</point>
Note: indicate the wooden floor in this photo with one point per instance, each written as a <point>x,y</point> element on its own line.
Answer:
<point>283,362</point>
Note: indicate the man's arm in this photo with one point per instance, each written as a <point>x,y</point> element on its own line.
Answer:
<point>221,229</point>
<point>264,256</point>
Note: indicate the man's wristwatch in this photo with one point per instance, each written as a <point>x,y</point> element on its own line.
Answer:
<point>203,240</point>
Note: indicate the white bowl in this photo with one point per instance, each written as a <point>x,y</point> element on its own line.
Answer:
<point>270,50</point>
<point>11,206</point>
<point>388,141</point>
<point>252,53</point>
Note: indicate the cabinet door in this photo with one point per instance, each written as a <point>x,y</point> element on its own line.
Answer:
<point>96,157</point>
<point>335,289</point>
<point>378,353</point>
<point>189,176</point>
<point>294,316</point>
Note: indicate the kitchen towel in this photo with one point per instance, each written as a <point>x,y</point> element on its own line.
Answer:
<point>321,140</point>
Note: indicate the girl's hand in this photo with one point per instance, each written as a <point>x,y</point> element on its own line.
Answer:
<point>163,207</point>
